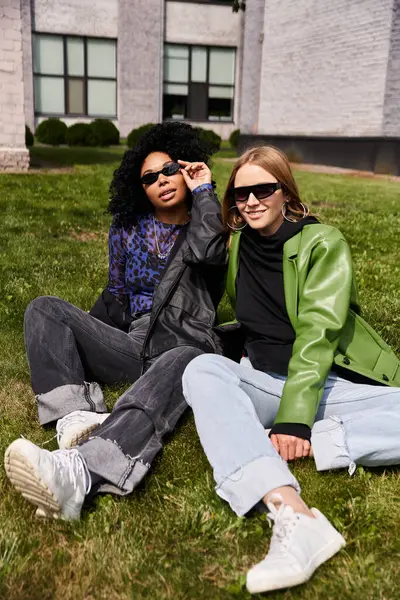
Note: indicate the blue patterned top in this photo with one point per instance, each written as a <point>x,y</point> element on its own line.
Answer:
<point>135,268</point>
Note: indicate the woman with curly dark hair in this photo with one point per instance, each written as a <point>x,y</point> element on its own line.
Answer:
<point>167,260</point>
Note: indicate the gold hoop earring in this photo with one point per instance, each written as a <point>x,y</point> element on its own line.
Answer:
<point>235,228</point>
<point>305,213</point>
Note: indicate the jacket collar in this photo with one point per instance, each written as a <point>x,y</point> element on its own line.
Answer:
<point>290,276</point>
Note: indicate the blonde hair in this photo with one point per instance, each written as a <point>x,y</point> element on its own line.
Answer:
<point>275,162</point>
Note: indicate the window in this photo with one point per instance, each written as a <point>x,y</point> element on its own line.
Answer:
<point>74,76</point>
<point>199,83</point>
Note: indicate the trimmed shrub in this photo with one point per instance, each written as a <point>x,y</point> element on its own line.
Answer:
<point>79,134</point>
<point>234,138</point>
<point>52,132</point>
<point>29,139</point>
<point>211,139</point>
<point>137,133</point>
<point>104,133</point>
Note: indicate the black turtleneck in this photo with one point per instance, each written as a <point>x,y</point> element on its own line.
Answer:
<point>261,307</point>
<point>260,302</point>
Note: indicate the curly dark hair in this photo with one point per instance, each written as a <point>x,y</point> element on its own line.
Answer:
<point>127,196</point>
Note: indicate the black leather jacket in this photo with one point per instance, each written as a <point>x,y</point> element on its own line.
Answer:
<point>191,287</point>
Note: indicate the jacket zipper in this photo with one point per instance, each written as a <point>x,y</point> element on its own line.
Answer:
<point>86,393</point>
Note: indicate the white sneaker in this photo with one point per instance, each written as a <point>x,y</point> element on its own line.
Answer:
<point>77,426</point>
<point>56,482</point>
<point>299,545</point>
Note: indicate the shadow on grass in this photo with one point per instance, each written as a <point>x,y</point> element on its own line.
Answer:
<point>46,157</point>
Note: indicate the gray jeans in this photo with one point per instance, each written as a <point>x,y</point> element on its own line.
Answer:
<point>66,348</point>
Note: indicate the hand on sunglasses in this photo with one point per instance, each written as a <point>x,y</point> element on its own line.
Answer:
<point>195,173</point>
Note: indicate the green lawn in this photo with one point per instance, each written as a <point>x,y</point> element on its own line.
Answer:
<point>174,538</point>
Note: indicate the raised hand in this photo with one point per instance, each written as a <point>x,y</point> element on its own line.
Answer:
<point>195,173</point>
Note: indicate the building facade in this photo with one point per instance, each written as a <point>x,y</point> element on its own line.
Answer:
<point>132,61</point>
<point>321,80</point>
<point>13,154</point>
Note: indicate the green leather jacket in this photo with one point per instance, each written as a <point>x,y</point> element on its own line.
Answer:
<point>322,304</point>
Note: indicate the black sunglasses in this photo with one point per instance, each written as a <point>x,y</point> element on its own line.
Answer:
<point>170,169</point>
<point>260,191</point>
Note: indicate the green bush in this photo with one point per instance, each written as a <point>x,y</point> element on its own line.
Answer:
<point>52,132</point>
<point>79,134</point>
<point>211,139</point>
<point>234,138</point>
<point>29,139</point>
<point>104,133</point>
<point>137,133</point>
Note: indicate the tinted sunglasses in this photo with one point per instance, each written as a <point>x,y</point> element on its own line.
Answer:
<point>170,169</point>
<point>260,191</point>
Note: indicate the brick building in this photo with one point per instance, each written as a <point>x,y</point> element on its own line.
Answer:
<point>13,154</point>
<point>322,80</point>
<point>319,79</point>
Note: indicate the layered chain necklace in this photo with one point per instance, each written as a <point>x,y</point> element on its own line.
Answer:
<point>163,255</point>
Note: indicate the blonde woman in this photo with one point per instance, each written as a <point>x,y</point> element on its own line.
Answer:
<point>320,376</point>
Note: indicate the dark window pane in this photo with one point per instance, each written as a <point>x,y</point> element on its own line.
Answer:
<point>197,109</point>
<point>220,109</point>
<point>174,107</point>
<point>76,96</point>
<point>175,101</point>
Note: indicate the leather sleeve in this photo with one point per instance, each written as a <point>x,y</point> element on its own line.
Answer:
<point>206,235</point>
<point>324,302</point>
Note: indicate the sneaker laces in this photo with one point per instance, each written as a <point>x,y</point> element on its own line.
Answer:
<point>284,519</point>
<point>71,465</point>
<point>62,424</point>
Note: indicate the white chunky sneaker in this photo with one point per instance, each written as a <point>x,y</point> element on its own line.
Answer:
<point>299,545</point>
<point>56,482</point>
<point>77,426</point>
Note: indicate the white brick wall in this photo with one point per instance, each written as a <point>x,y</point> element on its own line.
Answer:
<point>139,63</point>
<point>13,154</point>
<point>97,18</point>
<point>391,117</point>
<point>191,23</point>
<point>252,60</point>
<point>324,67</point>
<point>27,62</point>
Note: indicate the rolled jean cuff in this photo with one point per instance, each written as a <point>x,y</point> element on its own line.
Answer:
<point>121,473</point>
<point>329,444</point>
<point>244,488</point>
<point>67,398</point>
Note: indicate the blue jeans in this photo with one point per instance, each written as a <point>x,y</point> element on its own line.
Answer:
<point>233,405</point>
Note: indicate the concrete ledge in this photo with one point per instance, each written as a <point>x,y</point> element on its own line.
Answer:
<point>14,160</point>
<point>380,155</point>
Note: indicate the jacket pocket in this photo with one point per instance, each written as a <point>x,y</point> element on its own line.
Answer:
<point>191,308</point>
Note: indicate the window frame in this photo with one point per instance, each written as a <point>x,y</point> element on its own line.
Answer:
<point>86,78</point>
<point>208,48</point>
